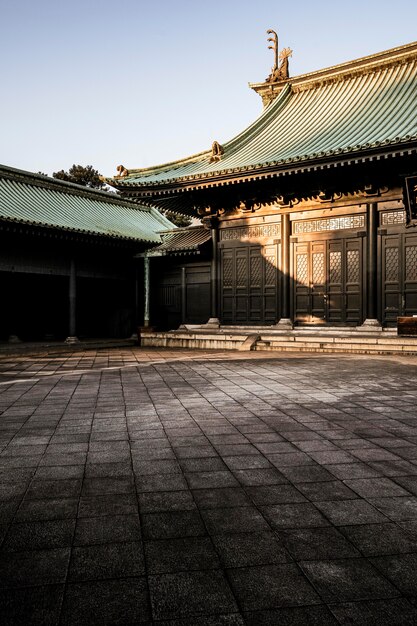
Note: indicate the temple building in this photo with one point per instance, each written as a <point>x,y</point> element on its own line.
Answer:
<point>67,259</point>
<point>308,216</point>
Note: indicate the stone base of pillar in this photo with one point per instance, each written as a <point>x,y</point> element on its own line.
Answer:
<point>284,324</point>
<point>14,339</point>
<point>213,322</point>
<point>72,340</point>
<point>370,325</point>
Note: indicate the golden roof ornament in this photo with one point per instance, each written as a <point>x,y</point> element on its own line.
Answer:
<point>122,171</point>
<point>216,152</point>
<point>280,70</point>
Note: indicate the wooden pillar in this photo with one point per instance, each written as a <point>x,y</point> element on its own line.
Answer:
<point>183,295</point>
<point>214,271</point>
<point>72,337</point>
<point>285,320</point>
<point>371,304</point>
<point>146,270</point>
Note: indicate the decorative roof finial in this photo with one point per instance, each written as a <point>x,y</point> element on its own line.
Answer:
<point>216,152</point>
<point>280,72</point>
<point>122,171</point>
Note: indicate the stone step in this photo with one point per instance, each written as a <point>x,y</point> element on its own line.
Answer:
<point>358,343</point>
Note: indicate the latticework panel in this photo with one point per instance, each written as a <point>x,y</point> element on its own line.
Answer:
<point>241,269</point>
<point>255,271</point>
<point>227,272</point>
<point>335,267</point>
<point>353,266</point>
<point>411,264</point>
<point>318,268</point>
<point>270,270</point>
<point>302,269</point>
<point>392,263</point>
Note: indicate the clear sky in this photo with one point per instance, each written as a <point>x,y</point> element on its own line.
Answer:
<point>142,82</point>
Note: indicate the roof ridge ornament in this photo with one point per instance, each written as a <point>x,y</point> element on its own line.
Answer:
<point>122,171</point>
<point>280,71</point>
<point>216,152</point>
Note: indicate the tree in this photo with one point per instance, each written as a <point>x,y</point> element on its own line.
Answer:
<point>177,220</point>
<point>86,176</point>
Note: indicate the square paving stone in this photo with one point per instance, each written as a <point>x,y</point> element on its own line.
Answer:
<point>297,515</point>
<point>156,466</point>
<point>317,543</point>
<point>376,487</point>
<point>148,454</point>
<point>394,612</point>
<point>39,489</point>
<point>397,508</point>
<point>329,457</point>
<point>395,468</point>
<point>374,454</point>
<point>39,535</point>
<point>380,539</point>
<point>237,449</point>
<point>26,569</point>
<point>108,485</point>
<point>60,473</point>
<point>122,601</point>
<point>194,452</point>
<point>108,470</point>
<point>306,473</point>
<point>275,494</point>
<point>254,477</point>
<point>188,594</point>
<point>112,560</point>
<point>115,504</point>
<point>276,447</point>
<point>347,512</point>
<point>161,482</point>
<point>172,524</point>
<point>110,529</point>
<point>329,490</point>
<point>408,482</point>
<point>232,520</point>
<point>345,471</point>
<point>211,480</point>
<point>245,549</point>
<point>182,554</point>
<point>221,498</point>
<point>347,579</point>
<point>159,501</point>
<point>290,459</point>
<point>36,510</point>
<point>296,616</point>
<point>37,606</point>
<point>271,586</point>
<point>209,464</point>
<point>401,570</point>
<point>250,461</point>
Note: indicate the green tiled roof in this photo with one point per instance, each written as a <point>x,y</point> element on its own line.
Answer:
<point>182,241</point>
<point>38,200</point>
<point>349,110</point>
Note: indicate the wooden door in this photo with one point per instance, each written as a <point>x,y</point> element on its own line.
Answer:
<point>399,276</point>
<point>249,285</point>
<point>328,281</point>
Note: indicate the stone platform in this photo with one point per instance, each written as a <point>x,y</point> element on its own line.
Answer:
<point>307,339</point>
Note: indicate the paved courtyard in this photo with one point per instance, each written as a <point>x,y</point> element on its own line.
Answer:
<point>208,488</point>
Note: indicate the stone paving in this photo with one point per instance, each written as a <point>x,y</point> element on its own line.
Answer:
<point>208,488</point>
